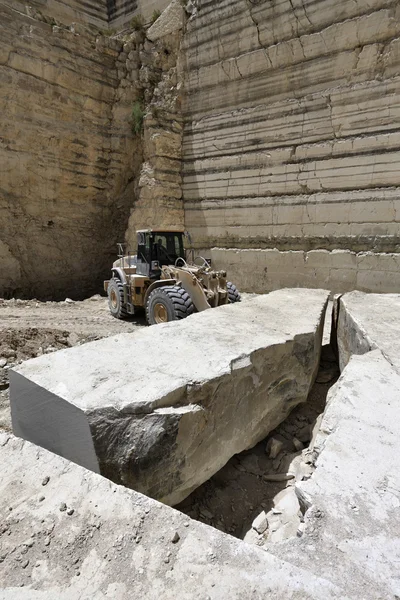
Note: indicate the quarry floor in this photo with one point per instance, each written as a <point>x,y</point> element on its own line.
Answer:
<point>29,328</point>
<point>319,517</point>
<point>238,493</point>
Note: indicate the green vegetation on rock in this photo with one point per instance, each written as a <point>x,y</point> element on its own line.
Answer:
<point>137,117</point>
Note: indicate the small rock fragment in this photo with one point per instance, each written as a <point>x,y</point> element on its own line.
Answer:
<point>251,537</point>
<point>63,507</point>
<point>46,480</point>
<point>274,446</point>
<point>3,362</point>
<point>206,514</point>
<point>297,444</point>
<point>70,511</point>
<point>278,476</point>
<point>260,523</point>
<point>25,564</point>
<point>300,529</point>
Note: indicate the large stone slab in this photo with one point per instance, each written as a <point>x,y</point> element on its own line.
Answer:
<point>117,544</point>
<point>369,321</point>
<point>165,408</point>
<point>352,523</point>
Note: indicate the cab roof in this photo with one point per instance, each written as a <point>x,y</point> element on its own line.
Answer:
<point>160,231</point>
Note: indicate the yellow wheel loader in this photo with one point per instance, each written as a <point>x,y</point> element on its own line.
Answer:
<point>159,279</point>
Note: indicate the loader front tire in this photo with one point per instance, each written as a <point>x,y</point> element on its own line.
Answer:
<point>115,292</point>
<point>233,293</point>
<point>168,303</point>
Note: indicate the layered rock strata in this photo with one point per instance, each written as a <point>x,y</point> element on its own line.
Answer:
<point>115,15</point>
<point>76,164</point>
<point>68,155</point>
<point>292,129</point>
<point>164,409</point>
<point>339,270</point>
<point>86,12</point>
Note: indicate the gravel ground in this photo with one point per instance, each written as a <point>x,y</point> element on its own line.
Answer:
<point>29,328</point>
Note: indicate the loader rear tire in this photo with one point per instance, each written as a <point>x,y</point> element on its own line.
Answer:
<point>115,292</point>
<point>168,303</point>
<point>233,293</point>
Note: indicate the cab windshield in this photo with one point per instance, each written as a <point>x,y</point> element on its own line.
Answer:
<point>167,247</point>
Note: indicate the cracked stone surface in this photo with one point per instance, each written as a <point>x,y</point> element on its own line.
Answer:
<point>119,544</point>
<point>369,321</point>
<point>164,409</point>
<point>351,529</point>
<point>171,20</point>
<point>245,486</point>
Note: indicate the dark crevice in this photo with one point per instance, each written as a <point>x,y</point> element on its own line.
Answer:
<point>252,482</point>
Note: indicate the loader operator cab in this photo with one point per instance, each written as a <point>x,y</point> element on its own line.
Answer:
<point>156,249</point>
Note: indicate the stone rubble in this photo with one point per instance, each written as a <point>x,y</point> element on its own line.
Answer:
<point>260,523</point>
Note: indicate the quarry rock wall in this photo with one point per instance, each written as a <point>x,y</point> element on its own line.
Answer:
<point>73,166</point>
<point>120,12</point>
<point>68,155</point>
<point>285,116</point>
<point>106,14</point>
<point>292,139</point>
<point>158,202</point>
<point>89,12</point>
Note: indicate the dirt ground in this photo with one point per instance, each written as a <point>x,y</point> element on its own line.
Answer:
<point>29,328</point>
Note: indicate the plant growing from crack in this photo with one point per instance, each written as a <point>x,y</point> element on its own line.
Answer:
<point>137,23</point>
<point>137,117</point>
<point>155,15</point>
<point>107,32</point>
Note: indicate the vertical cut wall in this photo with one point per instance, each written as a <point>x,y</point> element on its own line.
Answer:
<point>75,174</point>
<point>291,141</point>
<point>90,12</point>
<point>69,159</point>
